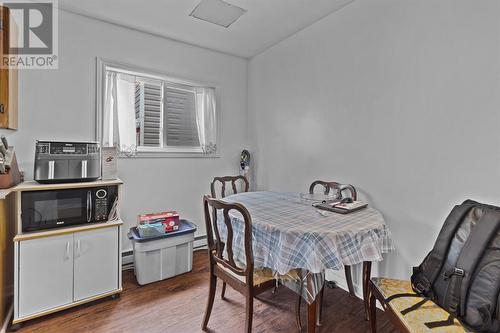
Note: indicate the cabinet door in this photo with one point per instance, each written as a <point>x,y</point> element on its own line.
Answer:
<point>96,262</point>
<point>45,273</point>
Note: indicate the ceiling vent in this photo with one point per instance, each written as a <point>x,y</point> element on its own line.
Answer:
<point>217,12</point>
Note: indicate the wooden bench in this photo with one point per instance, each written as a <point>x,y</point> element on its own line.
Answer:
<point>414,321</point>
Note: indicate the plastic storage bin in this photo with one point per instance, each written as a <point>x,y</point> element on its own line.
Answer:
<point>161,257</point>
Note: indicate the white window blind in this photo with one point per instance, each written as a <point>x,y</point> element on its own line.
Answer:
<point>165,115</point>
<point>148,113</point>
<point>180,117</point>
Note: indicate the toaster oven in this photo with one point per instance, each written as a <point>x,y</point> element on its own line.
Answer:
<point>58,162</point>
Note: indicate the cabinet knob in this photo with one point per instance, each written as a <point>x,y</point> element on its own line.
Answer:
<point>2,108</point>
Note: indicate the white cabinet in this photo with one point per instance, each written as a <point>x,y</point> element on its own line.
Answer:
<point>45,273</point>
<point>96,262</point>
<point>60,270</point>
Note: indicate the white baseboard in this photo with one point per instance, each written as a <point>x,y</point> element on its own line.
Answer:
<point>7,320</point>
<point>200,241</point>
<point>127,258</point>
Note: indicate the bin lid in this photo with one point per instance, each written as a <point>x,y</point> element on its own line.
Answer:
<point>185,227</point>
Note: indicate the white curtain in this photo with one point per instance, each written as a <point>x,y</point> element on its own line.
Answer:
<point>206,119</point>
<point>109,113</point>
<point>119,113</point>
<point>125,92</point>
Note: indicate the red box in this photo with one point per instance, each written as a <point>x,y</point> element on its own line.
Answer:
<point>171,222</point>
<point>169,219</point>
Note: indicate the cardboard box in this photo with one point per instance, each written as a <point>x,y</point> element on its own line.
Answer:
<point>169,219</point>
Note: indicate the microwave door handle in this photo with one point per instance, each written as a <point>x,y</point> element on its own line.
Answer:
<point>84,169</point>
<point>51,170</point>
<point>89,206</point>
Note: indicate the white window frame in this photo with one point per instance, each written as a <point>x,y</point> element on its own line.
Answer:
<point>105,64</point>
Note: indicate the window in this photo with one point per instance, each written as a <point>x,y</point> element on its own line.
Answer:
<point>148,114</point>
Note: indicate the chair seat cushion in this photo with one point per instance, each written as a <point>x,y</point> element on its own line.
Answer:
<point>260,275</point>
<point>415,320</point>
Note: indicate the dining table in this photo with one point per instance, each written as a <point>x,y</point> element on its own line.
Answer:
<point>289,234</point>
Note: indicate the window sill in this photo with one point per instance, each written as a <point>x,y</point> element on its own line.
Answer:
<point>169,154</point>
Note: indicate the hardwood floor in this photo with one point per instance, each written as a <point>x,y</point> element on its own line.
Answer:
<point>178,305</point>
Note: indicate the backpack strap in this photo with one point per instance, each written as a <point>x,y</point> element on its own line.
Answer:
<point>414,306</point>
<point>424,275</point>
<point>392,297</point>
<point>472,251</point>
<point>441,323</point>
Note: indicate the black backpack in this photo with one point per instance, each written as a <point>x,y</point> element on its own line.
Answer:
<point>462,272</point>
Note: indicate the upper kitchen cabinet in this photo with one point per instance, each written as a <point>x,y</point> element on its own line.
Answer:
<point>8,76</point>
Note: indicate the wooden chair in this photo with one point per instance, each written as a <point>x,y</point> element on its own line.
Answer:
<point>242,277</point>
<point>340,188</point>
<point>327,186</point>
<point>223,180</point>
<point>382,289</point>
<point>226,179</point>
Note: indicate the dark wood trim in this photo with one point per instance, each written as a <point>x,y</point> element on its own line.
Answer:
<point>389,312</point>
<point>367,269</point>
<point>9,83</point>
<point>228,179</point>
<point>348,277</point>
<point>4,72</point>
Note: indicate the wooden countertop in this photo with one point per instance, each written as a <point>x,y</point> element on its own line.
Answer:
<point>66,230</point>
<point>35,186</point>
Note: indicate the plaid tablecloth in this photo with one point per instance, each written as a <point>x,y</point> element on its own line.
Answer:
<point>288,233</point>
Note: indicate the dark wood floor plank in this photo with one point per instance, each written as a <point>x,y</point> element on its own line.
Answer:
<point>177,305</point>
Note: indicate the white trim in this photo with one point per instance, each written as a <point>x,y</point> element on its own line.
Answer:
<point>200,241</point>
<point>127,259</point>
<point>102,64</point>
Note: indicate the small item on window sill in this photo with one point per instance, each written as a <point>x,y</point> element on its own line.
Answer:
<point>108,160</point>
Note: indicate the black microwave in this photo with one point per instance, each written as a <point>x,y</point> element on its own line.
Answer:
<point>47,209</point>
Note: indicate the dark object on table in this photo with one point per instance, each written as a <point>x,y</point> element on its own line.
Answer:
<point>342,207</point>
<point>59,162</point>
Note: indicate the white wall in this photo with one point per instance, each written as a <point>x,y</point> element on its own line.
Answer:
<point>60,104</point>
<point>399,98</point>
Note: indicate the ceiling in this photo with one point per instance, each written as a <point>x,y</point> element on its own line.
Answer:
<point>265,23</point>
